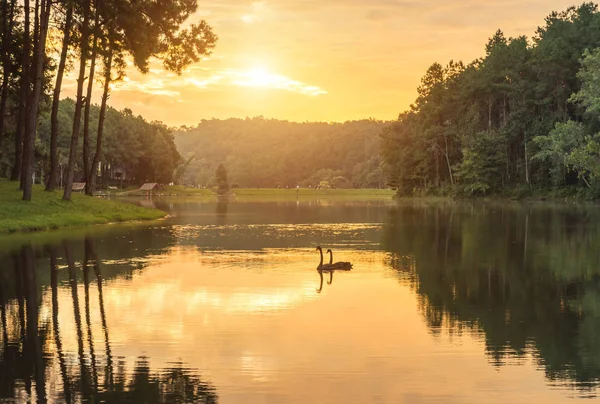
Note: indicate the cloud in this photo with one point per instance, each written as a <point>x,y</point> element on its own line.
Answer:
<point>160,82</point>
<point>366,56</point>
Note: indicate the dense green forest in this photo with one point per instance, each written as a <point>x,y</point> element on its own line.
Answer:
<point>523,118</point>
<point>262,152</point>
<point>134,150</point>
<point>63,140</point>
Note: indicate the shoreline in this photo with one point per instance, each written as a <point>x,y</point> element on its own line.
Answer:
<point>179,191</point>
<point>47,211</point>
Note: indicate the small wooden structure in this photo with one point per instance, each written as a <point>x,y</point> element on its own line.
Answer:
<point>148,186</point>
<point>79,186</point>
<point>145,189</point>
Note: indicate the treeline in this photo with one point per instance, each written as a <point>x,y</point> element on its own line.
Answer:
<point>134,150</point>
<point>262,152</point>
<point>97,37</point>
<point>523,118</point>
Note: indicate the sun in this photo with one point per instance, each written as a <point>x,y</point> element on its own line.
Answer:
<point>259,77</point>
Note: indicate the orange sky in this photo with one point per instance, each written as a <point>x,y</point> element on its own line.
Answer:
<point>326,60</point>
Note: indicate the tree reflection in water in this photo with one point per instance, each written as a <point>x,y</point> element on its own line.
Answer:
<point>34,365</point>
<point>525,280</point>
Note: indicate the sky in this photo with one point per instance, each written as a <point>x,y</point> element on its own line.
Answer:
<point>321,60</point>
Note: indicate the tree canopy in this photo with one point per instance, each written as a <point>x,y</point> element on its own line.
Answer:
<point>96,38</point>
<point>523,117</point>
<point>262,152</point>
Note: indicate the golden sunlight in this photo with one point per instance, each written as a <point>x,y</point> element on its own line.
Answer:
<point>262,78</point>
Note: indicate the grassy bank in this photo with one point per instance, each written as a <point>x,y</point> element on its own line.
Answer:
<point>48,211</point>
<point>179,191</point>
<point>171,190</point>
<point>304,192</point>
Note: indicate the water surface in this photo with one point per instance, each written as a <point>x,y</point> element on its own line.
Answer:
<point>447,302</point>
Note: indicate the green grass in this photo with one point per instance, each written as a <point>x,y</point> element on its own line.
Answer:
<point>47,210</point>
<point>179,190</point>
<point>309,192</point>
<point>174,190</point>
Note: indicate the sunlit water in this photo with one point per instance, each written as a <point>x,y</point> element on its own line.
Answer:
<point>447,302</point>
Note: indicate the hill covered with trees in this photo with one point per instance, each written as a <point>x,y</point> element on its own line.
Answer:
<point>524,117</point>
<point>262,152</point>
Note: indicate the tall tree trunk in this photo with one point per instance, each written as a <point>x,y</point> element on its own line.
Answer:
<point>490,114</point>
<point>79,102</point>
<point>526,159</point>
<point>437,168</point>
<point>23,96</point>
<point>3,99</point>
<point>5,68</point>
<point>7,24</point>
<point>38,75</point>
<point>56,98</point>
<point>107,79</point>
<point>508,162</point>
<point>448,161</point>
<point>35,40</point>
<point>88,105</point>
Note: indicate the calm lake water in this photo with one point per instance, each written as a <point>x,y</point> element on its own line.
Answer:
<point>447,302</point>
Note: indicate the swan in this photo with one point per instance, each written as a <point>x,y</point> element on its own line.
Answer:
<point>338,266</point>
<point>323,267</point>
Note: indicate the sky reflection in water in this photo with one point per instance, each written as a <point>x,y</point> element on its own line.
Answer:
<point>446,303</point>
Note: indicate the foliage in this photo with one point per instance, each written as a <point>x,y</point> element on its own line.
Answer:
<point>481,168</point>
<point>143,151</point>
<point>262,152</point>
<point>40,137</point>
<point>221,177</point>
<point>573,145</point>
<point>313,192</point>
<point>503,121</point>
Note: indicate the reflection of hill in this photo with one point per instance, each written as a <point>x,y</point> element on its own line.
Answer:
<point>33,361</point>
<point>283,224</point>
<point>527,278</point>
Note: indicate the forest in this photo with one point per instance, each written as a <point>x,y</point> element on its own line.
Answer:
<point>259,152</point>
<point>62,140</point>
<point>134,150</point>
<point>524,118</point>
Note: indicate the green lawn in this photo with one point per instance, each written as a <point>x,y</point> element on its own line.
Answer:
<point>171,190</point>
<point>180,191</point>
<point>47,210</point>
<point>304,192</point>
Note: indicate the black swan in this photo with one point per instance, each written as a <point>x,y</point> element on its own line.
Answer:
<point>323,267</point>
<point>338,266</point>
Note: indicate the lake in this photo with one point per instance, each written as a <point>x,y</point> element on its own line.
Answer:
<point>446,302</point>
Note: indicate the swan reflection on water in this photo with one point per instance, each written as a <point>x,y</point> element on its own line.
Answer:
<point>329,282</point>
